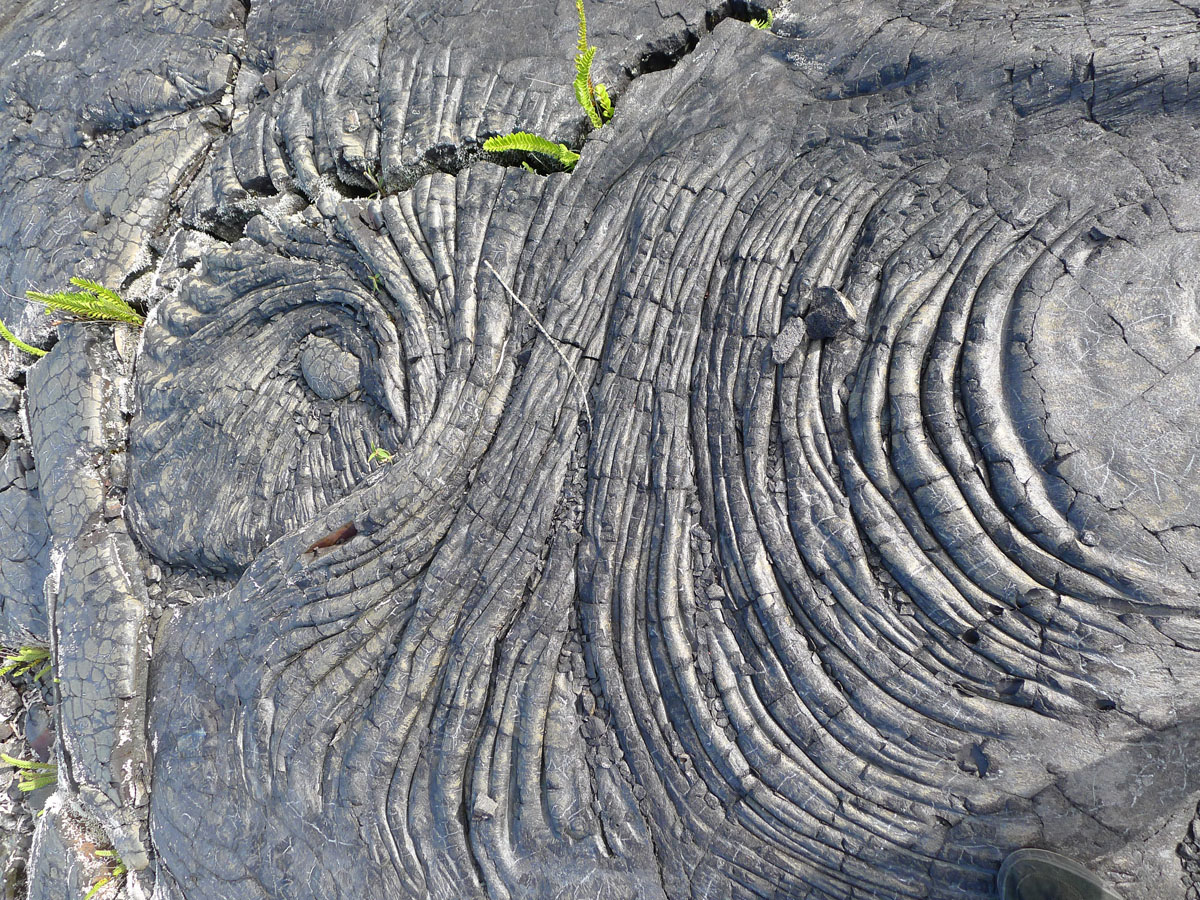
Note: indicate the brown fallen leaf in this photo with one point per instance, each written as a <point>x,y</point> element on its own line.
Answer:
<point>335,538</point>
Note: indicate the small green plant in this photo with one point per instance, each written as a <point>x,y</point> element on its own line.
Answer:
<point>532,143</point>
<point>26,659</point>
<point>591,95</point>
<point>375,179</point>
<point>33,775</point>
<point>766,22</point>
<point>18,343</point>
<point>378,454</point>
<point>92,301</point>
<point>115,871</point>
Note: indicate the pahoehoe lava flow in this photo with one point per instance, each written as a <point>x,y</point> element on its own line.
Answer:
<point>824,522</point>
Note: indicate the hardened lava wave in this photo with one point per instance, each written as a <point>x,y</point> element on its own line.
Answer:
<point>638,610</point>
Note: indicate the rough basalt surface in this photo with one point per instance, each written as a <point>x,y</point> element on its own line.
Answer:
<point>800,498</point>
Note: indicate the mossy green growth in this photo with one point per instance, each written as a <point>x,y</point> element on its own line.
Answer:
<point>26,659</point>
<point>590,94</point>
<point>32,775</point>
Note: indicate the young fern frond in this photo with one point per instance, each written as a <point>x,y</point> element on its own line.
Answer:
<point>33,775</point>
<point>119,868</point>
<point>377,181</point>
<point>107,295</point>
<point>583,44</point>
<point>592,95</point>
<point>25,660</point>
<point>94,301</point>
<point>584,89</point>
<point>378,454</point>
<point>37,782</point>
<point>766,22</point>
<point>18,343</point>
<point>602,98</point>
<point>532,143</point>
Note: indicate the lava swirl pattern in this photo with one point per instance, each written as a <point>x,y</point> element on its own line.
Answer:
<point>258,362</point>
<point>857,621</point>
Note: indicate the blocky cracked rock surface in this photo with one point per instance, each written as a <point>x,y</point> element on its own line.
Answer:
<point>821,520</point>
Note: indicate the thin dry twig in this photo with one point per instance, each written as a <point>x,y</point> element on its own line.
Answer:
<point>554,342</point>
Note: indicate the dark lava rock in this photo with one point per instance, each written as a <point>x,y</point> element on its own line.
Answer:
<point>830,315</point>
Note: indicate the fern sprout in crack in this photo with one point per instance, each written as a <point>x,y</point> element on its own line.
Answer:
<point>31,774</point>
<point>18,343</point>
<point>591,95</point>
<point>92,301</point>
<point>115,870</point>
<point>765,23</point>
<point>377,180</point>
<point>35,660</point>
<point>524,142</point>
<point>378,454</point>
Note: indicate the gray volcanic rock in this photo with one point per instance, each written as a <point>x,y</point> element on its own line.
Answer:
<point>830,314</point>
<point>796,499</point>
<point>107,111</point>
<point>25,552</point>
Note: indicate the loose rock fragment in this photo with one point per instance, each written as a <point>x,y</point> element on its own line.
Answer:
<point>830,315</point>
<point>788,340</point>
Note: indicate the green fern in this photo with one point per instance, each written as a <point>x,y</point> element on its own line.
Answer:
<point>532,143</point>
<point>18,662</point>
<point>118,869</point>
<point>377,181</point>
<point>378,454</point>
<point>592,96</point>
<point>766,22</point>
<point>18,343</point>
<point>94,301</point>
<point>33,775</point>
<point>605,102</point>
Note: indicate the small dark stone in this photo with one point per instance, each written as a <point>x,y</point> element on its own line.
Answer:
<point>1010,687</point>
<point>1038,598</point>
<point>830,315</point>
